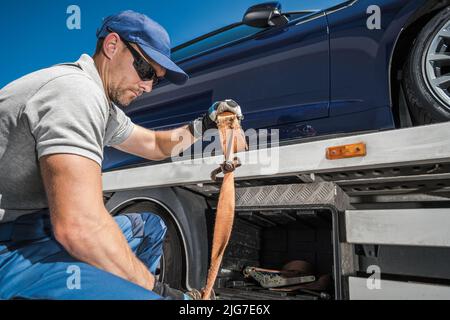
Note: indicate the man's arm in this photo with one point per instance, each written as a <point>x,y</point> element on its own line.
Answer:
<point>160,145</point>
<point>81,223</point>
<point>157,145</point>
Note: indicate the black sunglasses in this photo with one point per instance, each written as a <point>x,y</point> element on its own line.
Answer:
<point>144,70</point>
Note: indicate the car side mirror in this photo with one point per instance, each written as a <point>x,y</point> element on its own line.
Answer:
<point>265,15</point>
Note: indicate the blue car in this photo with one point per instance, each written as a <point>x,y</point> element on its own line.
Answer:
<point>362,65</point>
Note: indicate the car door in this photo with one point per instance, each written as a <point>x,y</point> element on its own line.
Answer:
<point>280,77</point>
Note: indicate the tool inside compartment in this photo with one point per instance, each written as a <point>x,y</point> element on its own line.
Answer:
<point>279,254</point>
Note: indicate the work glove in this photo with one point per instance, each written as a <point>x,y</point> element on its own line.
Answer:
<point>195,294</point>
<point>209,120</point>
<point>165,291</point>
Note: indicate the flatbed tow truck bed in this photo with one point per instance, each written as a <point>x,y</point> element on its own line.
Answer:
<point>387,211</point>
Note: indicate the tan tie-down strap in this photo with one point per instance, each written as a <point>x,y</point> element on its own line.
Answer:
<point>232,141</point>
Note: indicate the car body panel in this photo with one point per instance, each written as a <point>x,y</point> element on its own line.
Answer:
<point>360,59</point>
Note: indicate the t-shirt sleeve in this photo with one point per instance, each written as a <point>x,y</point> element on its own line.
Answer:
<point>119,127</point>
<point>66,116</point>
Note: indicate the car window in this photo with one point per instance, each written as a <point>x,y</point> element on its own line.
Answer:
<point>234,34</point>
<point>212,42</point>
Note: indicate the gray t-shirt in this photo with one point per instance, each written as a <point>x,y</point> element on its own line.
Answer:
<point>62,109</point>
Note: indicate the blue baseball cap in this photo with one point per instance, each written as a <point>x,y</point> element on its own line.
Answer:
<point>151,37</point>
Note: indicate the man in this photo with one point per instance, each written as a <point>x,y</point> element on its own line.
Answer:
<point>57,240</point>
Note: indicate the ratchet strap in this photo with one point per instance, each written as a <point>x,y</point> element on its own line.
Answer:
<point>232,141</point>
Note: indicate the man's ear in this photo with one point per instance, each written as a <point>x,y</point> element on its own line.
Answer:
<point>111,45</point>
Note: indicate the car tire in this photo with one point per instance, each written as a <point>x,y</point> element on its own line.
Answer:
<point>171,266</point>
<point>428,101</point>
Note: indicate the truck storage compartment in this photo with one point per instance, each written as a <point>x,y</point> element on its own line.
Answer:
<point>273,239</point>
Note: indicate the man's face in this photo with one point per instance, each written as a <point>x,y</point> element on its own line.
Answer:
<point>125,85</point>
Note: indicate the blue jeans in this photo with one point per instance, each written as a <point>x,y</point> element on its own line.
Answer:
<point>33,265</point>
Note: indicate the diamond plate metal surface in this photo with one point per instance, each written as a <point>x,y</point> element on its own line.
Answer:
<point>322,193</point>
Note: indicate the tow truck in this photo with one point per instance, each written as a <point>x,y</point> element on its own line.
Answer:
<point>371,210</point>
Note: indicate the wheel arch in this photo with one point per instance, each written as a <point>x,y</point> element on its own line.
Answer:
<point>187,211</point>
<point>402,48</point>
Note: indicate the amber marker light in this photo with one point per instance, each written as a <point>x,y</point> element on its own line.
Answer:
<point>347,151</point>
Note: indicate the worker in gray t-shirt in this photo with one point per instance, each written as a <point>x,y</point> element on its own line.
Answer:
<point>54,124</point>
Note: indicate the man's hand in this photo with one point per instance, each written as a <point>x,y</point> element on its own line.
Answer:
<point>209,120</point>
<point>224,106</point>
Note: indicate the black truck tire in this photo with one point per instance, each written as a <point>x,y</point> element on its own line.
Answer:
<point>171,266</point>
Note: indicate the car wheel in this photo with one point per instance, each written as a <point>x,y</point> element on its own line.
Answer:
<point>170,269</point>
<point>426,81</point>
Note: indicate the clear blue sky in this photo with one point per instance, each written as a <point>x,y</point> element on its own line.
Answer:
<point>34,32</point>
